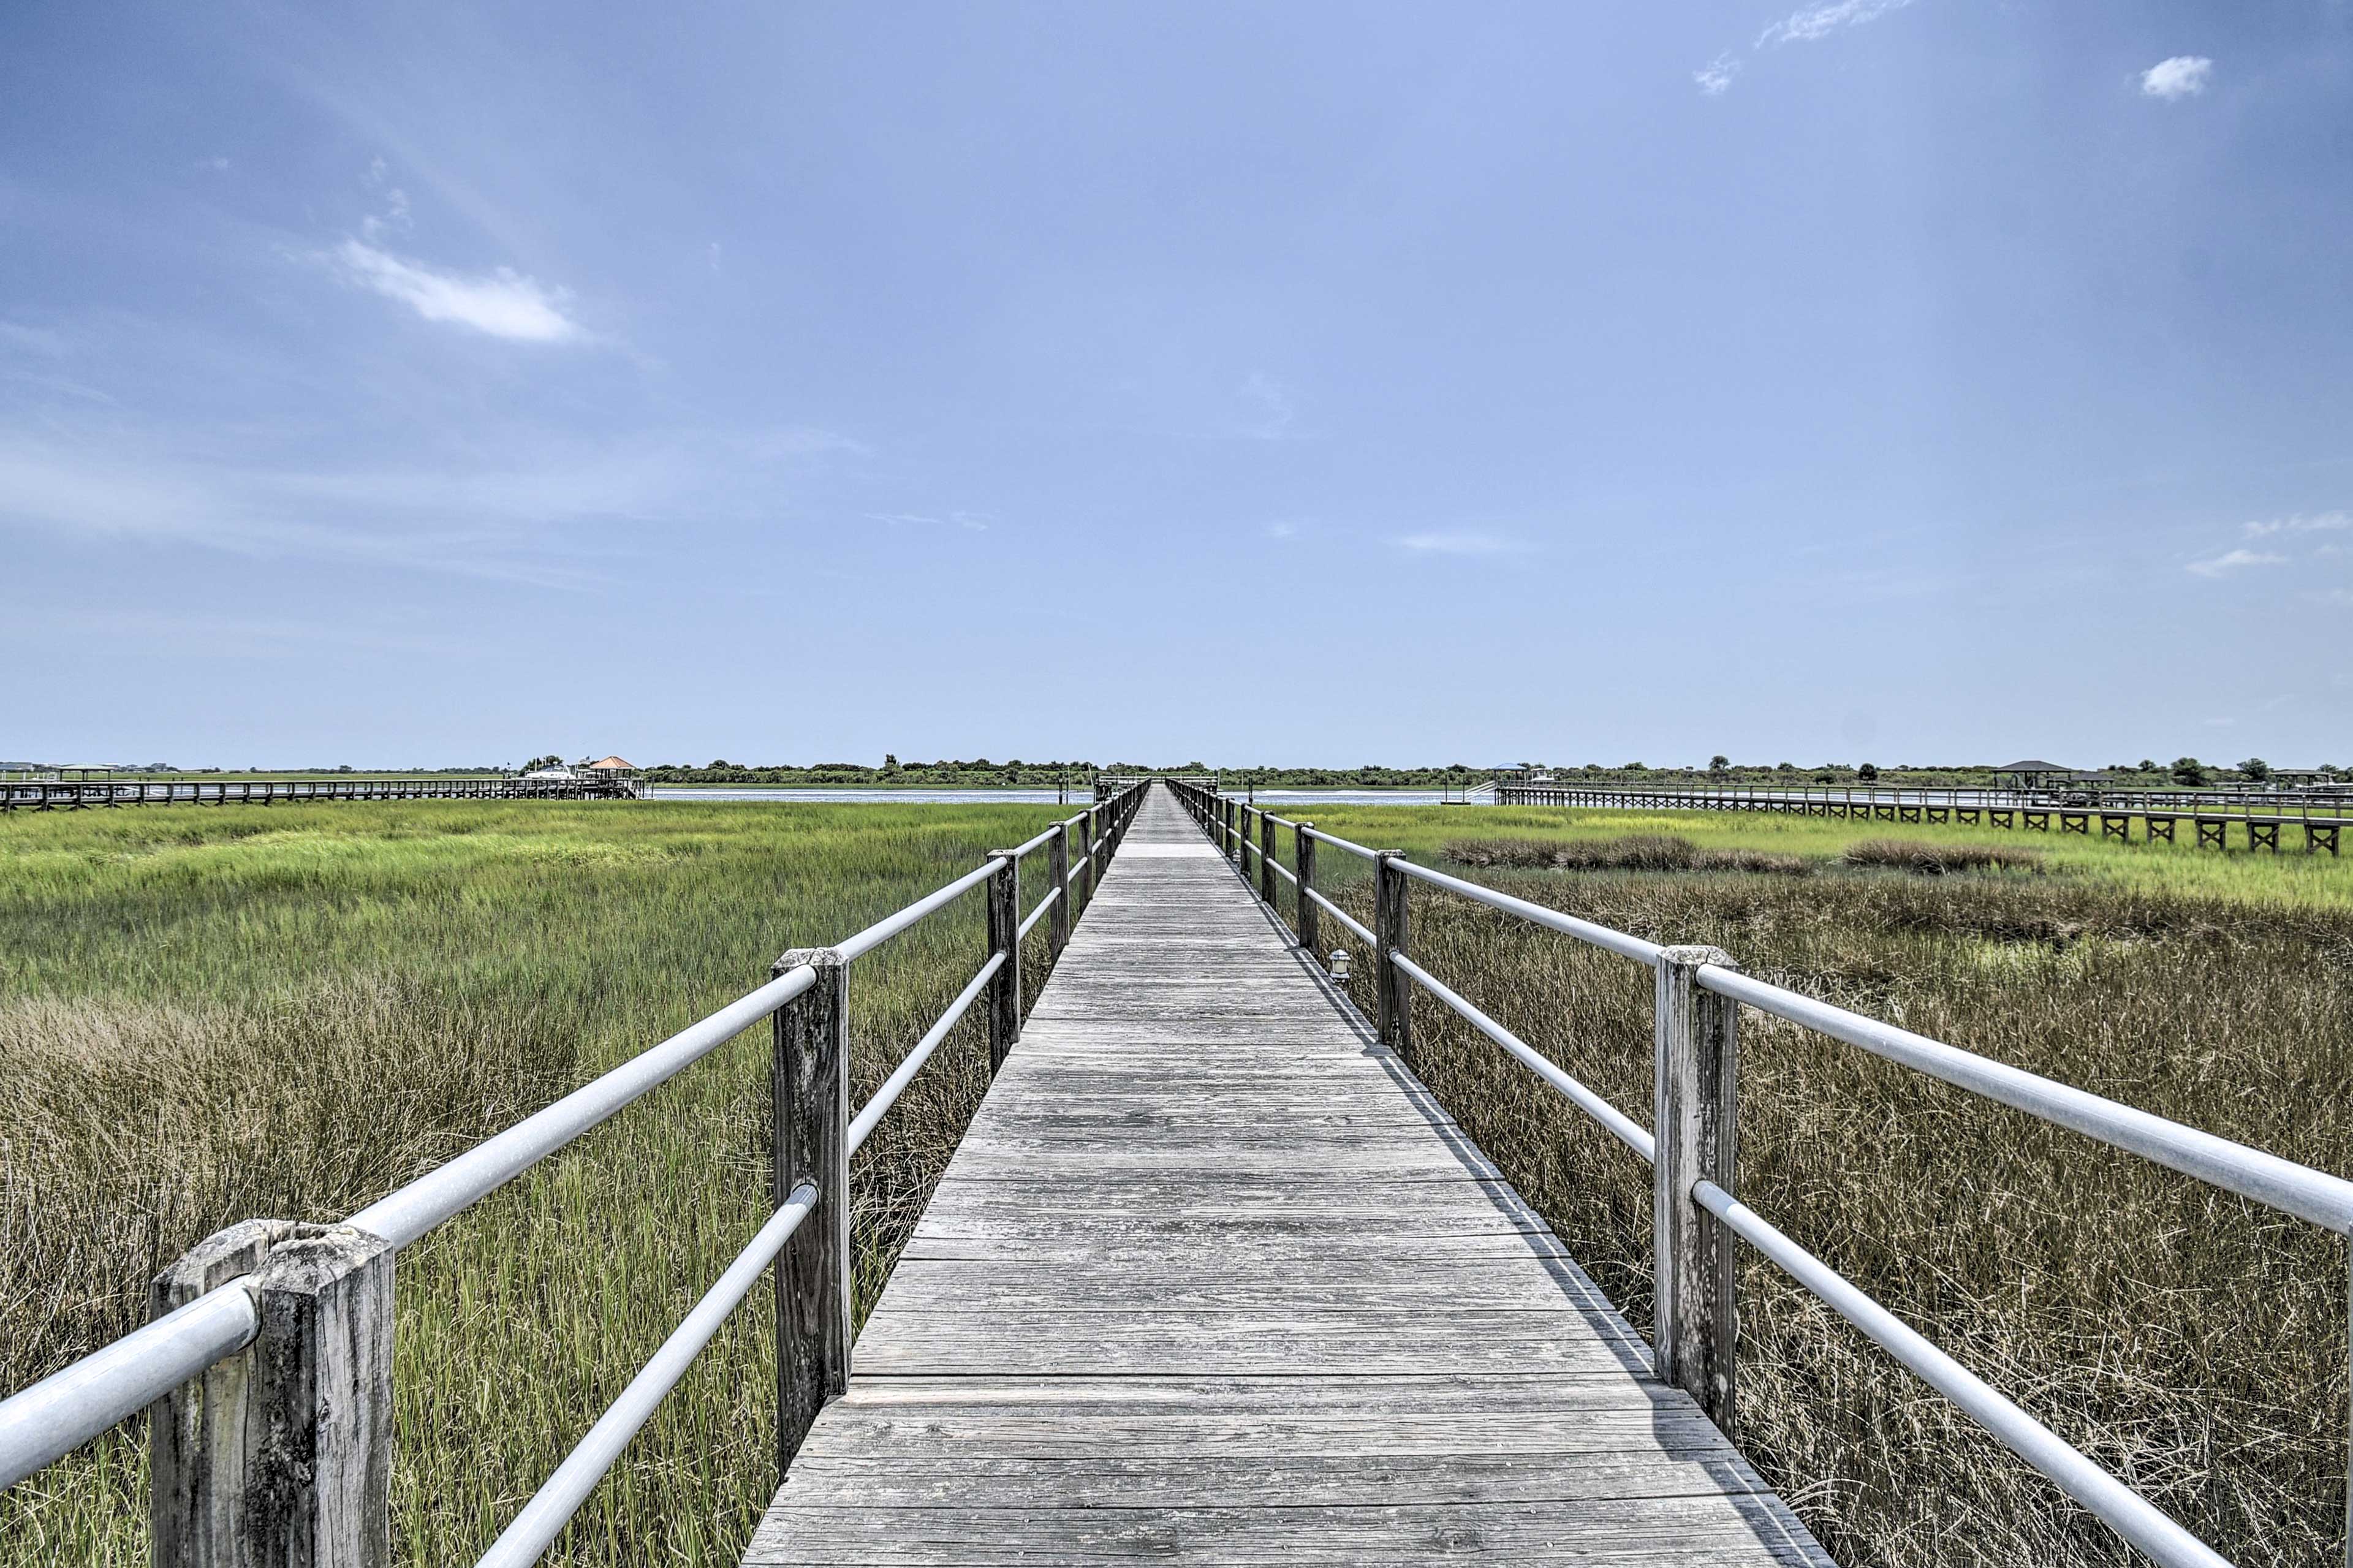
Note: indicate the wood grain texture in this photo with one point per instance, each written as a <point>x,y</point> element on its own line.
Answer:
<point>810,1111</point>
<point>280,1456</point>
<point>1696,1074</point>
<point>1212,1279</point>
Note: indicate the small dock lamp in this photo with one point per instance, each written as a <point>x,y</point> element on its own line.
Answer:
<point>1339,965</point>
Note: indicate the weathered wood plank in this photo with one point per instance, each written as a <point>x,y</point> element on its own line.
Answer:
<point>1211,1278</point>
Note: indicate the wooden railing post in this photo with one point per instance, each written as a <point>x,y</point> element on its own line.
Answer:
<point>1058,870</point>
<point>1004,936</point>
<point>1311,925</point>
<point>811,1104</point>
<point>1697,1086</point>
<point>1266,857</point>
<point>1390,927</point>
<point>280,1456</point>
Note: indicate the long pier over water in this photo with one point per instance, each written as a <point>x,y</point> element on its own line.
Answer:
<point>2157,813</point>
<point>1211,1279</point>
<point>83,795</point>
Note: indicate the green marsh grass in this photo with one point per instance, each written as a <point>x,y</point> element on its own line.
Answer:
<point>2192,1343</point>
<point>210,1015</point>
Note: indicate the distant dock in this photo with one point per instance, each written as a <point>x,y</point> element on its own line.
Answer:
<point>81,795</point>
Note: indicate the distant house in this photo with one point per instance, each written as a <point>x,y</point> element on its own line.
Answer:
<point>612,776</point>
<point>2030,773</point>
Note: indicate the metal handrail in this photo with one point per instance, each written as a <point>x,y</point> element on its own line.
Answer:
<point>408,1212</point>
<point>44,1422</point>
<point>550,1508</point>
<point>2250,1173</point>
<point>67,1408</point>
<point>1622,1127</point>
<point>2283,1184</point>
<point>2123,1510</point>
<point>1617,942</point>
<point>1029,921</point>
<point>1321,837</point>
<point>1362,933</point>
<point>888,1094</point>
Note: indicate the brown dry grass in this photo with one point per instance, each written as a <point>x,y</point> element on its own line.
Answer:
<point>1926,859</point>
<point>2190,1341</point>
<point>1632,852</point>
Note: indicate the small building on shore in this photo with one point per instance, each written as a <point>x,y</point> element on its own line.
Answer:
<point>2030,773</point>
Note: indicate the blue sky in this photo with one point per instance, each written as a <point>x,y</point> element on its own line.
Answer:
<point>1866,380</point>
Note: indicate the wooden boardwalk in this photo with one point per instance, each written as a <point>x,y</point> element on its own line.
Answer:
<point>1211,1279</point>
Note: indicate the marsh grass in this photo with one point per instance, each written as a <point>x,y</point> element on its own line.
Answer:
<point>2190,1341</point>
<point>1635,852</point>
<point>1932,859</point>
<point>214,1014</point>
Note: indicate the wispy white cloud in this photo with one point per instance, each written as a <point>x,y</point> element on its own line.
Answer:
<point>1269,408</point>
<point>2183,76</point>
<point>2319,522</point>
<point>1714,78</point>
<point>971,521</point>
<point>1457,545</point>
<point>2232,561</point>
<point>393,219</point>
<point>1803,25</point>
<point>798,441</point>
<point>31,340</point>
<point>549,512</point>
<point>1283,531</point>
<point>503,303</point>
<point>1820,21</point>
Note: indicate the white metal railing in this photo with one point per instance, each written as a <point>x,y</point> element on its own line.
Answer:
<point>166,1360</point>
<point>2212,813</point>
<point>1694,1052</point>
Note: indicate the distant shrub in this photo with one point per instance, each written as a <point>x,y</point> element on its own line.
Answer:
<point>1935,860</point>
<point>1634,852</point>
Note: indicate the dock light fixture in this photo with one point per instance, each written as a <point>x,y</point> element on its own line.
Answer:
<point>1339,964</point>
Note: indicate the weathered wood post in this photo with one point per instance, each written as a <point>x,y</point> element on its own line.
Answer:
<point>1082,870</point>
<point>1697,1068</point>
<point>1389,930</point>
<point>810,1096</point>
<point>1310,927</point>
<point>1004,937</point>
<point>1266,857</point>
<point>280,1456</point>
<point>1058,868</point>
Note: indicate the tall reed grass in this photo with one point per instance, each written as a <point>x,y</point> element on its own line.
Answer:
<point>215,1015</point>
<point>2193,1343</point>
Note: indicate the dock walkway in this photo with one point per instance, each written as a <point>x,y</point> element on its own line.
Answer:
<point>1212,1279</point>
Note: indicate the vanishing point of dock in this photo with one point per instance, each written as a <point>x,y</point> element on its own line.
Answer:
<point>1211,1278</point>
